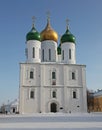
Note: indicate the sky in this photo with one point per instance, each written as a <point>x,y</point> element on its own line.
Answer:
<point>85,23</point>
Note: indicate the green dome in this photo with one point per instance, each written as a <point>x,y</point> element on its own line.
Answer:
<point>67,37</point>
<point>59,49</point>
<point>33,35</point>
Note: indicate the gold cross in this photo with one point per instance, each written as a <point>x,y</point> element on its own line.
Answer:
<point>48,15</point>
<point>33,20</point>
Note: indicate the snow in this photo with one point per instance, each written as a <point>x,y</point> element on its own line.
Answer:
<point>52,121</point>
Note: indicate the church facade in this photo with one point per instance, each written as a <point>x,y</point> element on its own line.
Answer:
<point>50,79</point>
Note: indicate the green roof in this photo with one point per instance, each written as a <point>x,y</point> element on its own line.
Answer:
<point>33,35</point>
<point>67,37</point>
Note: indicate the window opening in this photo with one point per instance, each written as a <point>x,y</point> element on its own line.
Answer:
<point>69,53</point>
<point>33,52</point>
<point>74,94</point>
<point>53,75</point>
<point>54,94</point>
<point>32,94</point>
<point>73,75</point>
<point>31,74</point>
<point>49,54</point>
<point>43,54</point>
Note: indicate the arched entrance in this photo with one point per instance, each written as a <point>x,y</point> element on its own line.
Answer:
<point>53,107</point>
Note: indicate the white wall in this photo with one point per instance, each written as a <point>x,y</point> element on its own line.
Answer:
<point>37,45</point>
<point>66,46</point>
<point>46,45</point>
<point>42,85</point>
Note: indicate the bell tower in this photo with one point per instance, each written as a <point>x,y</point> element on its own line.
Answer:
<point>49,39</point>
<point>33,42</point>
<point>68,47</point>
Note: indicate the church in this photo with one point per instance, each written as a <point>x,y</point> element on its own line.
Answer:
<point>50,79</point>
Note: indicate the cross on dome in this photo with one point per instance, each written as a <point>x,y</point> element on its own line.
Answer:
<point>48,33</point>
<point>67,23</point>
<point>33,21</point>
<point>48,15</point>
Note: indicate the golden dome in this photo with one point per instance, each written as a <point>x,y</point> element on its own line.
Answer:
<point>48,33</point>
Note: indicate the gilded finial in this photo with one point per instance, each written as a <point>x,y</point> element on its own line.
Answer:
<point>33,20</point>
<point>67,25</point>
<point>48,16</point>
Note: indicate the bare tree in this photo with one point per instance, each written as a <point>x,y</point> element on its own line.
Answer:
<point>90,100</point>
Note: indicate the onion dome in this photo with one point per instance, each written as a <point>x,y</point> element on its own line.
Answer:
<point>48,33</point>
<point>33,35</point>
<point>67,37</point>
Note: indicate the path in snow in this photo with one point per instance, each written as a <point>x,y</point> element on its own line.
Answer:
<point>51,121</point>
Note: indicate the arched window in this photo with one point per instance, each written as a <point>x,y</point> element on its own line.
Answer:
<point>54,94</point>
<point>69,53</point>
<point>43,55</point>
<point>31,74</point>
<point>74,94</point>
<point>73,75</point>
<point>32,94</point>
<point>49,54</point>
<point>53,75</point>
<point>33,52</point>
<point>63,55</point>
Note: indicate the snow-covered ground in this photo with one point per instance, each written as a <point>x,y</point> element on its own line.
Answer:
<point>84,121</point>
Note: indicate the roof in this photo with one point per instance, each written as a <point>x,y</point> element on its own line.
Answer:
<point>98,93</point>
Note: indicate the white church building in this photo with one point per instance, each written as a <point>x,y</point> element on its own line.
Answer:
<point>50,79</point>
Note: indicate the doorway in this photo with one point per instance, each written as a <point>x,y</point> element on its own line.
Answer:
<point>53,107</point>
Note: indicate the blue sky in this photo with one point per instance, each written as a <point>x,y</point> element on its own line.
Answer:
<point>16,21</point>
